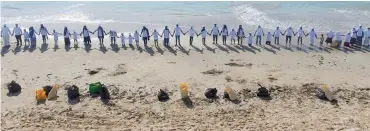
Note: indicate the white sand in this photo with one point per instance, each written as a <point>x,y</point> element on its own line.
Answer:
<point>292,76</point>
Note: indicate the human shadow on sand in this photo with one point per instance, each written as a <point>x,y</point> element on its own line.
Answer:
<point>87,48</point>
<point>76,46</point>
<point>44,47</point>
<point>197,49</point>
<point>269,49</point>
<point>209,48</point>
<point>159,50</point>
<point>103,49</point>
<point>183,50</point>
<point>188,103</point>
<point>132,47</point>
<point>248,49</point>
<point>231,48</point>
<point>114,47</point>
<point>17,49</point>
<point>26,47</point>
<point>222,48</point>
<point>169,48</point>
<point>149,50</point>
<point>139,48</point>
<point>67,47</point>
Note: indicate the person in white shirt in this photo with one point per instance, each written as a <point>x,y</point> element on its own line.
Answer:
<point>26,37</point>
<point>113,35</point>
<point>130,39</point>
<point>338,39</point>
<point>137,37</point>
<point>18,34</point>
<point>300,33</point>
<point>250,39</point>
<point>177,32</point>
<point>100,34</point>
<point>360,35</point>
<point>145,35</point>
<point>56,35</point>
<point>204,33</point>
<point>123,38</point>
<point>5,33</point>
<point>215,32</point>
<point>268,38</point>
<point>67,35</point>
<point>86,33</point>
<point>224,32</point>
<point>240,34</point>
<point>353,36</point>
<point>312,37</point>
<point>166,34</point>
<point>192,32</point>
<point>329,38</point>
<point>44,33</point>
<point>75,37</point>
<point>367,37</point>
<point>155,35</point>
<point>289,33</point>
<point>276,35</point>
<point>347,39</point>
<point>232,36</point>
<point>259,32</point>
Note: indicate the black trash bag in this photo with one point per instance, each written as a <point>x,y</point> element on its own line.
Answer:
<point>73,92</point>
<point>47,89</point>
<point>226,95</point>
<point>104,93</point>
<point>211,93</point>
<point>321,94</point>
<point>162,95</point>
<point>263,92</point>
<point>14,87</point>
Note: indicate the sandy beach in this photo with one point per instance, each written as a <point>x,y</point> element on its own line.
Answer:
<point>135,75</point>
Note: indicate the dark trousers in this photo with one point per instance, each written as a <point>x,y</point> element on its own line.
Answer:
<point>299,39</point>
<point>241,39</point>
<point>288,38</point>
<point>177,39</point>
<point>19,39</point>
<point>224,39</point>
<point>359,40</point>
<point>215,38</point>
<point>101,39</point>
<point>67,41</point>
<point>191,40</point>
<point>145,39</point>
<point>276,40</point>
<point>113,40</point>
<point>44,38</point>
<point>258,40</point>
<point>166,40</point>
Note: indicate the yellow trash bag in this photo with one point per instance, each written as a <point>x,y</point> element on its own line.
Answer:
<point>327,92</point>
<point>40,94</point>
<point>53,93</point>
<point>232,95</point>
<point>184,90</point>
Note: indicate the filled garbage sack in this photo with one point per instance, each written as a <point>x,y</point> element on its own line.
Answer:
<point>211,93</point>
<point>95,88</point>
<point>47,89</point>
<point>14,87</point>
<point>230,93</point>
<point>104,93</point>
<point>53,92</point>
<point>162,95</point>
<point>73,92</point>
<point>324,93</point>
<point>40,94</point>
<point>262,91</point>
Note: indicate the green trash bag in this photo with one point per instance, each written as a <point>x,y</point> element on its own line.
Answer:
<point>95,88</point>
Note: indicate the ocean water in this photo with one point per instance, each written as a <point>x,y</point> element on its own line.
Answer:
<point>131,16</point>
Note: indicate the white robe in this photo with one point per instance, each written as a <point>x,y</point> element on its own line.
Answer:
<point>5,32</point>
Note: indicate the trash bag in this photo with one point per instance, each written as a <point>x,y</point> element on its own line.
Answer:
<point>211,93</point>
<point>184,90</point>
<point>47,89</point>
<point>73,92</point>
<point>53,93</point>
<point>95,88</point>
<point>40,94</point>
<point>324,93</point>
<point>14,87</point>
<point>231,94</point>
<point>263,92</point>
<point>162,95</point>
<point>320,94</point>
<point>104,93</point>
